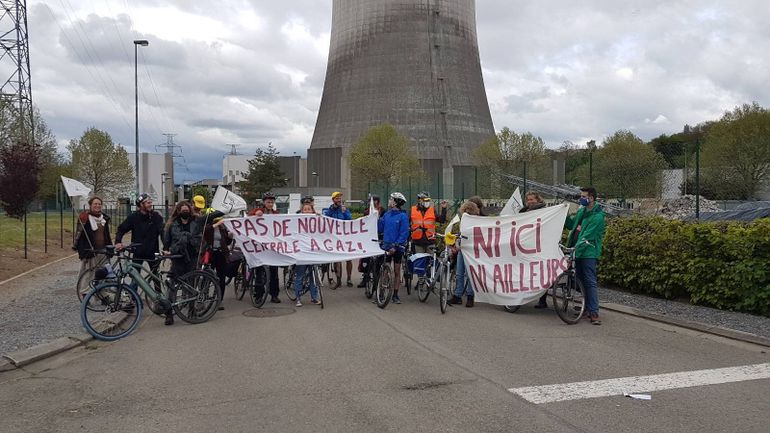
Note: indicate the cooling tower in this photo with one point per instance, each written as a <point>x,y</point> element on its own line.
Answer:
<point>411,63</point>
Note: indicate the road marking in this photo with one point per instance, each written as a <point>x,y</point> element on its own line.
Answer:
<point>636,384</point>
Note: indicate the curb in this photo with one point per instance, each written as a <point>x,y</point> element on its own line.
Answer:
<point>732,334</point>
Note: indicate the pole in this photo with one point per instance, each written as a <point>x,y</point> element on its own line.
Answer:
<point>697,179</point>
<point>136,116</point>
<point>60,202</point>
<point>525,177</point>
<point>25,232</point>
<point>45,225</point>
<point>591,168</point>
<point>475,181</point>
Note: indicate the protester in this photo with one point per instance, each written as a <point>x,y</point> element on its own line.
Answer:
<point>479,203</point>
<point>300,270</point>
<point>461,288</point>
<point>269,208</point>
<point>394,226</point>
<point>339,211</point>
<point>146,227</point>
<point>217,241</point>
<point>533,201</point>
<point>308,199</point>
<point>423,221</point>
<point>92,233</point>
<point>586,235</point>
<point>363,264</point>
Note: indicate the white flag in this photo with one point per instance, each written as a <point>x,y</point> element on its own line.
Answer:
<point>372,209</point>
<point>228,202</point>
<point>451,224</point>
<point>75,188</point>
<point>514,204</point>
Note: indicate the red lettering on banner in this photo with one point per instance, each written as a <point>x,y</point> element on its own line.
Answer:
<point>509,278</point>
<point>340,246</point>
<point>545,275</point>
<point>518,239</point>
<point>538,226</point>
<point>490,245</point>
<point>236,226</point>
<point>497,278</point>
<point>478,274</point>
<point>261,223</point>
<point>362,226</point>
<point>249,228</point>
<point>314,245</point>
<point>523,287</point>
<point>277,228</point>
<point>245,246</point>
<point>512,241</point>
<point>328,245</point>
<point>532,274</point>
<point>302,225</point>
<point>295,246</point>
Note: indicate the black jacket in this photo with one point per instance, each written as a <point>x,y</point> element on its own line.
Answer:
<point>186,239</point>
<point>533,207</point>
<point>145,229</point>
<point>84,238</point>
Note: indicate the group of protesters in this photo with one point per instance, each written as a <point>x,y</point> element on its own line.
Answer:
<point>193,228</point>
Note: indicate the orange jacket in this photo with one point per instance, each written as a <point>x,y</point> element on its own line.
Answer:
<point>420,221</point>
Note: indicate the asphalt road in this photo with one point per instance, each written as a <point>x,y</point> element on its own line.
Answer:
<point>355,368</point>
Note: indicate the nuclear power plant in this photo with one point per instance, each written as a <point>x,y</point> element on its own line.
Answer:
<point>413,64</point>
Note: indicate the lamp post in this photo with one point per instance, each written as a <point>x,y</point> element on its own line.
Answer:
<point>591,148</point>
<point>143,43</point>
<point>316,181</point>
<point>163,188</point>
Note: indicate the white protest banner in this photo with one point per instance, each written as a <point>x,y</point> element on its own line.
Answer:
<point>75,188</point>
<point>512,260</point>
<point>514,204</point>
<point>228,202</point>
<point>304,239</point>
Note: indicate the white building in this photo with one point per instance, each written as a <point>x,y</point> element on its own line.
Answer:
<point>152,180</point>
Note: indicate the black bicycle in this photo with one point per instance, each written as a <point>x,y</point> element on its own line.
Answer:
<point>567,291</point>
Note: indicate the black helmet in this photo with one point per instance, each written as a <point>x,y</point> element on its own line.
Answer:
<point>307,199</point>
<point>423,195</point>
<point>142,198</point>
<point>268,195</point>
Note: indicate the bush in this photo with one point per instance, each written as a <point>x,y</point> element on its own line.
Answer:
<point>724,265</point>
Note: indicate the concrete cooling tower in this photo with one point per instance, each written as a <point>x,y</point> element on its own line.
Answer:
<point>411,63</point>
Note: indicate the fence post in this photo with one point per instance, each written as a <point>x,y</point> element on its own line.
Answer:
<point>45,225</point>
<point>61,224</point>
<point>475,181</point>
<point>525,177</point>
<point>697,179</point>
<point>26,211</point>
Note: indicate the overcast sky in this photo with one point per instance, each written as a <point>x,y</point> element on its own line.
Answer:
<point>252,71</point>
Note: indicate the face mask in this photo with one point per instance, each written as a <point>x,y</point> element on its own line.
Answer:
<point>185,214</point>
<point>583,201</point>
<point>426,204</point>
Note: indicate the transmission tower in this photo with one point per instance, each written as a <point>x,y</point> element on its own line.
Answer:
<point>170,146</point>
<point>16,89</point>
<point>233,149</point>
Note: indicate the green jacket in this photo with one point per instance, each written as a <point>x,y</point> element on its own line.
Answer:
<point>591,234</point>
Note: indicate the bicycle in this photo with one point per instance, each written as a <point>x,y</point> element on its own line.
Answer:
<point>567,291</point>
<point>438,271</point>
<point>113,309</point>
<point>407,273</point>
<point>312,274</point>
<point>256,280</point>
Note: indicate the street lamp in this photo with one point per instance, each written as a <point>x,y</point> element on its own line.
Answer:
<point>591,148</point>
<point>316,181</point>
<point>163,187</point>
<point>143,43</point>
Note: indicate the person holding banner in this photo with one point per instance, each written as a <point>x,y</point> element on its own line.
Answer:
<point>533,201</point>
<point>423,220</point>
<point>269,208</point>
<point>363,264</point>
<point>394,226</point>
<point>338,211</point>
<point>461,288</point>
<point>587,233</point>
<point>299,276</point>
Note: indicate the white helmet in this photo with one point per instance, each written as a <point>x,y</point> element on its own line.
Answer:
<point>398,198</point>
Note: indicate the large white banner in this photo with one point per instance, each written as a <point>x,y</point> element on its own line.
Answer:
<point>304,239</point>
<point>512,260</point>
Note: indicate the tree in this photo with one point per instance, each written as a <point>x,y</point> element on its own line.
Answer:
<point>736,153</point>
<point>383,155</point>
<point>19,169</point>
<point>102,164</point>
<point>522,155</point>
<point>626,167</point>
<point>202,190</point>
<point>264,174</point>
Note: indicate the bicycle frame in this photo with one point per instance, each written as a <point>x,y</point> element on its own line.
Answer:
<point>135,272</point>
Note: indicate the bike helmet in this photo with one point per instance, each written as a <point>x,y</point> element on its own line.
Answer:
<point>422,196</point>
<point>307,199</point>
<point>142,198</point>
<point>268,195</point>
<point>398,198</point>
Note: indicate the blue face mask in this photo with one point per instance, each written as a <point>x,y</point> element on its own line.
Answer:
<point>583,201</point>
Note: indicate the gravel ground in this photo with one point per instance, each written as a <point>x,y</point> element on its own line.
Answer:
<point>39,307</point>
<point>726,319</point>
<point>42,306</point>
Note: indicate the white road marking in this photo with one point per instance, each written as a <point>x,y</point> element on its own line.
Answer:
<point>636,384</point>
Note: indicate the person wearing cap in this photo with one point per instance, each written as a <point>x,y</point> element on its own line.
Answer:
<point>146,227</point>
<point>423,221</point>
<point>269,208</point>
<point>339,211</point>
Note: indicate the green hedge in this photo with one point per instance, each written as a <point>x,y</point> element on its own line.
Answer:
<point>724,265</point>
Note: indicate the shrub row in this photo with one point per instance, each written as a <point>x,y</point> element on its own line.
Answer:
<point>724,265</point>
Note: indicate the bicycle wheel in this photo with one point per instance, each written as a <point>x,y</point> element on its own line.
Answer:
<point>407,275</point>
<point>85,283</point>
<point>257,289</point>
<point>511,308</point>
<point>111,311</point>
<point>288,283</point>
<point>239,282</point>
<point>369,288</point>
<point>384,286</point>
<point>568,298</point>
<point>422,289</point>
<point>196,296</point>
<point>444,285</point>
<point>317,276</point>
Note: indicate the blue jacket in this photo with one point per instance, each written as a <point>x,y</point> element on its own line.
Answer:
<point>394,226</point>
<point>336,213</point>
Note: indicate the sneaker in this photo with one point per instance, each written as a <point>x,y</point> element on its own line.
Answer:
<point>456,300</point>
<point>315,302</point>
<point>541,305</point>
<point>595,319</point>
<point>275,300</point>
<point>395,299</point>
<point>169,320</point>
<point>220,308</point>
<point>350,284</point>
<point>469,302</point>
<point>298,304</point>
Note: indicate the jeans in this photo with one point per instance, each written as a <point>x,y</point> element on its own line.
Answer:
<point>299,277</point>
<point>586,272</point>
<point>461,288</point>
